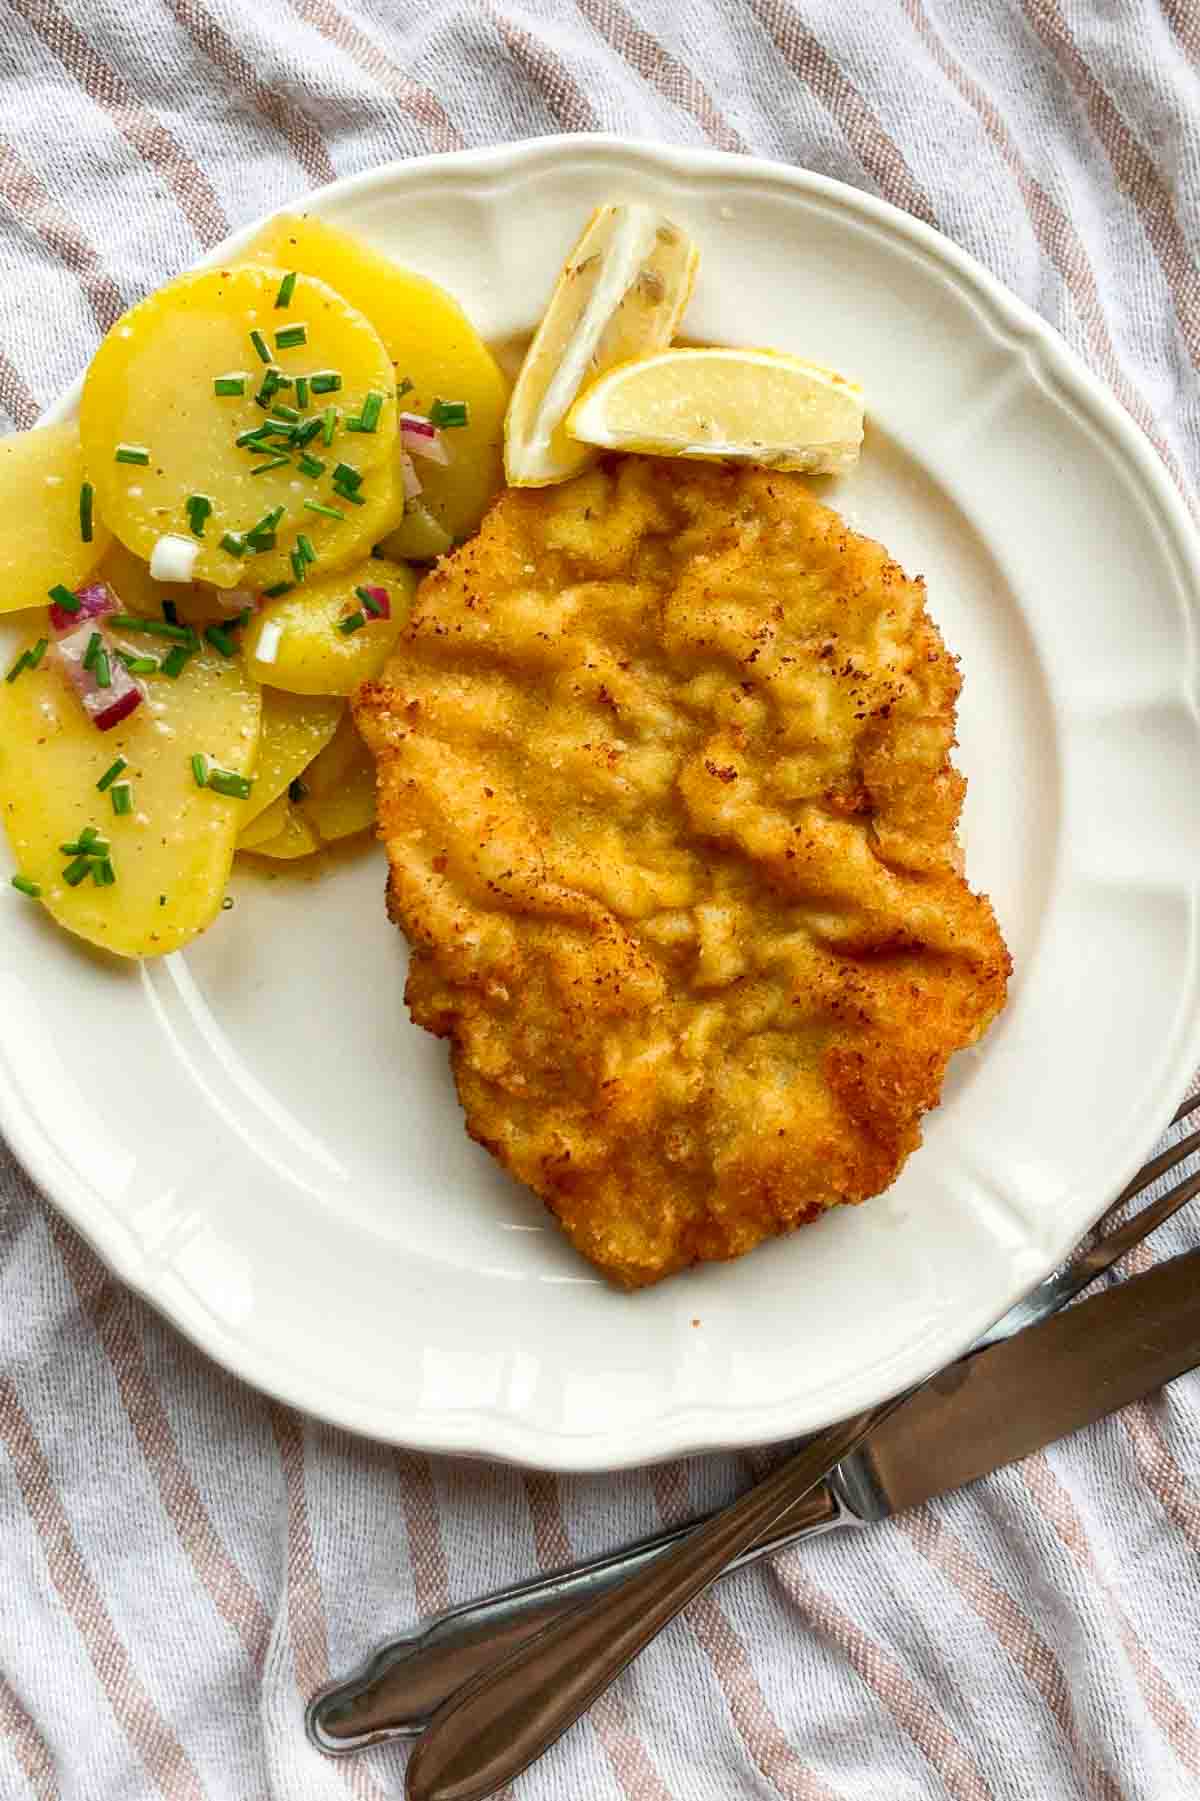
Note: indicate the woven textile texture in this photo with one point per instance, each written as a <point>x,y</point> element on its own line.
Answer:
<point>181,1561</point>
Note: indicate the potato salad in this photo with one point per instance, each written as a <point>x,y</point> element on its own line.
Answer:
<point>212,558</point>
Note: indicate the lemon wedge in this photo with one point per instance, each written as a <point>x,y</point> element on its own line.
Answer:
<point>751,406</point>
<point>620,294</point>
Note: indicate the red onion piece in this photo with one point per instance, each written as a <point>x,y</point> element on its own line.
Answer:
<point>382,600</point>
<point>409,476</point>
<point>94,601</point>
<point>105,707</point>
<point>422,439</point>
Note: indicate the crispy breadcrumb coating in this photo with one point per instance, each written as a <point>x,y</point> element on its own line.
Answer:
<point>665,786</point>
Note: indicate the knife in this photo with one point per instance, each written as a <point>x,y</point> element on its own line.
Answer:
<point>989,1409</point>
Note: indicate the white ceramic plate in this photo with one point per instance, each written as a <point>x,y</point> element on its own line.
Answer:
<point>255,1136</point>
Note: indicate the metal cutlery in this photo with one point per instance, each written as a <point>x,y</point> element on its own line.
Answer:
<point>396,1692</point>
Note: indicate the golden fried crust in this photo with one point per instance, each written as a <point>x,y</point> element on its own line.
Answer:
<point>665,786</point>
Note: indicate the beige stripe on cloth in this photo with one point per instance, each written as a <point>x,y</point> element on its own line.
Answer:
<point>29,1747</point>
<point>146,134</point>
<point>166,1763</point>
<point>34,206</point>
<point>1134,169</point>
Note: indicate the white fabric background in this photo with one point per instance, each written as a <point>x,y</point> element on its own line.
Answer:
<point>181,1561</point>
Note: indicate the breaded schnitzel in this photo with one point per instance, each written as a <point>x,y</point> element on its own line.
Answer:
<point>665,786</point>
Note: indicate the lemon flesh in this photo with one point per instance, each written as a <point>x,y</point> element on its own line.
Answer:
<point>751,406</point>
<point>620,294</point>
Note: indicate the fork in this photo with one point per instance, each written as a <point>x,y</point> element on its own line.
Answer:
<point>395,1693</point>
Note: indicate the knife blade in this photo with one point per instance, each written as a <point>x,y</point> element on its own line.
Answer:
<point>992,1407</point>
<point>1004,1403</point>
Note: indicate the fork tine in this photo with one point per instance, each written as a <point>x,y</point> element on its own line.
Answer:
<point>1158,1166</point>
<point>1186,1107</point>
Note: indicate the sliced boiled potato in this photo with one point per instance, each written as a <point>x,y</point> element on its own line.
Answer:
<point>295,837</point>
<point>340,798</point>
<point>621,293</point>
<point>138,592</point>
<point>171,854</point>
<point>343,542</point>
<point>280,831</point>
<point>41,541</point>
<point>295,729</point>
<point>150,392</point>
<point>431,343</point>
<point>294,642</point>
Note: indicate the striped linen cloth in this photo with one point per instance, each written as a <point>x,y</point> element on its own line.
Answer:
<point>181,1561</point>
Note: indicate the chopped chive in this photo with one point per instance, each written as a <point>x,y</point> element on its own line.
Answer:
<point>347,473</point>
<point>137,665</point>
<point>244,617</point>
<point>287,288</point>
<point>170,612</point>
<point>235,787</point>
<point>307,432</point>
<point>278,589</point>
<point>372,407</point>
<point>132,453</point>
<point>297,790</point>
<point>403,388</point>
<point>310,465</point>
<point>229,384</point>
<point>354,623</point>
<point>325,381</point>
<point>103,873</point>
<point>369,601</point>
<point>329,421</point>
<point>285,412</point>
<point>260,541</point>
<point>356,500</point>
<point>87,495</point>
<point>23,885</point>
<point>175,661</point>
<point>449,414</point>
<point>33,657</point>
<point>275,463</point>
<point>318,506</point>
<point>19,667</point>
<point>260,345</point>
<point>63,597</point>
<point>299,567</point>
<point>304,546</point>
<point>218,636</point>
<point>102,670</point>
<point>200,770</point>
<point>251,440</point>
<point>270,520</point>
<point>302,391</point>
<point>122,799</point>
<point>110,775</point>
<point>154,628</point>
<point>199,506</point>
<point>92,651</point>
<point>291,337</point>
<point>88,844</point>
<point>234,543</point>
<point>74,873</point>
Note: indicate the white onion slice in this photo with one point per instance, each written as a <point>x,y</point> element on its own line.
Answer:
<point>173,558</point>
<point>409,476</point>
<point>267,648</point>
